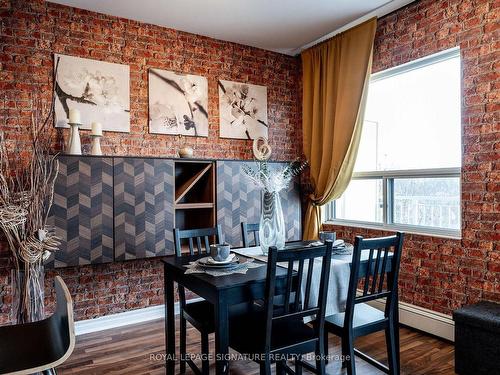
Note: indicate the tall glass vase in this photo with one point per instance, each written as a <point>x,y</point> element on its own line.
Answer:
<point>28,293</point>
<point>272,223</point>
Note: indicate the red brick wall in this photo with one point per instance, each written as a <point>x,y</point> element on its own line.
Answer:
<point>437,273</point>
<point>31,31</point>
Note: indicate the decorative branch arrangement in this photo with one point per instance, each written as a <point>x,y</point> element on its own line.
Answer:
<point>26,194</point>
<point>273,180</point>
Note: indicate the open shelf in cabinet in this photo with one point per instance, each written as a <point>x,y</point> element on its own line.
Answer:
<point>194,194</point>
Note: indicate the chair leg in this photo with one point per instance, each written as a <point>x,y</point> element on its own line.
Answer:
<point>205,363</point>
<point>280,368</point>
<point>320,360</point>
<point>348,352</point>
<point>298,365</point>
<point>392,348</point>
<point>325,343</point>
<point>265,367</point>
<point>182,344</point>
<point>345,351</point>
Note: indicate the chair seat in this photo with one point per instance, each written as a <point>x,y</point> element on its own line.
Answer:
<point>247,335</point>
<point>363,314</point>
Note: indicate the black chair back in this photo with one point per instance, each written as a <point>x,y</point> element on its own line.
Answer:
<point>375,262</point>
<point>246,231</point>
<point>301,263</point>
<point>198,239</point>
<point>38,346</point>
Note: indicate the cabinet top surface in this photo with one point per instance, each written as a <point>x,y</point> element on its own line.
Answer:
<point>199,160</point>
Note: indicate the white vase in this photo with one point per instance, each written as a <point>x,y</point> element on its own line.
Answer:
<point>272,222</point>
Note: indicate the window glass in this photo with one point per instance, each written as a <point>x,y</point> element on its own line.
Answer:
<point>412,120</point>
<point>362,201</point>
<point>429,202</point>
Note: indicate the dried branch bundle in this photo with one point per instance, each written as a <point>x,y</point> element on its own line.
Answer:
<point>27,180</point>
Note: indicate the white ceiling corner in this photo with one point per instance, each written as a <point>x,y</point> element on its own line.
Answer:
<point>285,26</point>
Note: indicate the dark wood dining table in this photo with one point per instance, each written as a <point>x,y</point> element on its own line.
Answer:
<point>222,292</point>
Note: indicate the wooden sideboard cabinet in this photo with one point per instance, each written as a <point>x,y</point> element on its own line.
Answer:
<point>123,208</point>
<point>82,211</point>
<point>143,193</point>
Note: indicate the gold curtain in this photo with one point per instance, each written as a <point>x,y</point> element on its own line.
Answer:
<point>335,77</point>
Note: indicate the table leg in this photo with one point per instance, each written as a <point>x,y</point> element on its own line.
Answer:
<point>169,324</point>
<point>222,336</point>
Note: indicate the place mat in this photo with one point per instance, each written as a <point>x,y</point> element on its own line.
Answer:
<point>241,268</point>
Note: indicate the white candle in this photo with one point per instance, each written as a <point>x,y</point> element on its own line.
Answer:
<point>74,116</point>
<point>96,128</point>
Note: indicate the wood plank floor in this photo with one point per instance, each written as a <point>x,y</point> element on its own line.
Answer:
<point>133,350</point>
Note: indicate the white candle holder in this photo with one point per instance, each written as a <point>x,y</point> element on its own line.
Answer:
<point>74,144</point>
<point>96,145</point>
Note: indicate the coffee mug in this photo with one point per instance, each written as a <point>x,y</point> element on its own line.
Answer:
<point>327,236</point>
<point>220,252</point>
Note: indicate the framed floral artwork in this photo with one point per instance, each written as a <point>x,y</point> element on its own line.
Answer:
<point>178,103</point>
<point>99,90</point>
<point>242,110</point>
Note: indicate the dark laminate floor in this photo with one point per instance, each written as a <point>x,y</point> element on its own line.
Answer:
<point>129,350</point>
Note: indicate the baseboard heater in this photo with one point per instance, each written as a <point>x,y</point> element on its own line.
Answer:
<point>425,320</point>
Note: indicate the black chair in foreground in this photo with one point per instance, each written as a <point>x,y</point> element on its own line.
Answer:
<point>246,231</point>
<point>375,261</point>
<point>272,332</point>
<point>201,313</point>
<point>40,346</point>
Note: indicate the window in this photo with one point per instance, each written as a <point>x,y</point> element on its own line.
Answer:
<point>407,172</point>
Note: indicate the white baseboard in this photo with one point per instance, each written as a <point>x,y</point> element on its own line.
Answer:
<point>121,319</point>
<point>425,320</point>
<point>124,318</point>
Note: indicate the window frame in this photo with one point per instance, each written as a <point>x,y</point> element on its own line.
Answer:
<point>388,177</point>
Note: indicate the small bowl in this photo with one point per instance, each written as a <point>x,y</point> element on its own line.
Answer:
<point>186,152</point>
<point>220,252</point>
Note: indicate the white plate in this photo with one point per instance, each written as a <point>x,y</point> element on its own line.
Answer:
<point>205,262</point>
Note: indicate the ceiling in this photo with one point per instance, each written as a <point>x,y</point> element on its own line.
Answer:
<point>278,25</point>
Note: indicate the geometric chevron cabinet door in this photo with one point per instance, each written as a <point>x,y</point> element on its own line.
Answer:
<point>238,200</point>
<point>292,207</point>
<point>144,207</point>
<point>82,211</point>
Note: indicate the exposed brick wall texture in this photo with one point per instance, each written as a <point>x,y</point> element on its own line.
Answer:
<point>441,274</point>
<point>31,31</point>
<point>436,273</point>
